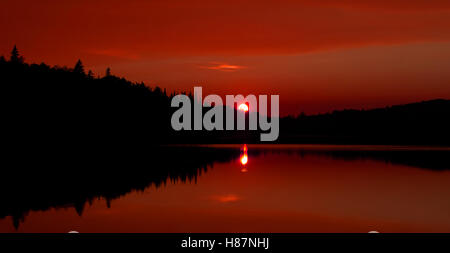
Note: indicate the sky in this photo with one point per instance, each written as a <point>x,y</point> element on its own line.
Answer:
<point>317,55</point>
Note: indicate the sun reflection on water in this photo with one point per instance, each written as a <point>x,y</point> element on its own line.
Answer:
<point>244,158</point>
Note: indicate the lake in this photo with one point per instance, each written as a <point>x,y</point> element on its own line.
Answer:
<point>249,188</point>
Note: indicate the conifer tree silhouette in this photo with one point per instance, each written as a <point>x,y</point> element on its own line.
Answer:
<point>108,72</point>
<point>90,74</point>
<point>15,56</point>
<point>79,68</point>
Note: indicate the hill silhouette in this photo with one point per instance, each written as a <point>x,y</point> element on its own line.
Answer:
<point>422,123</point>
<point>60,105</point>
<point>65,107</point>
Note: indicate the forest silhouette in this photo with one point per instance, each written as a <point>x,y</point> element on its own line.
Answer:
<point>63,107</point>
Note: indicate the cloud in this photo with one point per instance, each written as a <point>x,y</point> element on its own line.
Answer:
<point>226,198</point>
<point>223,67</point>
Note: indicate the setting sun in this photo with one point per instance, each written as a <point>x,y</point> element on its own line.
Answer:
<point>243,107</point>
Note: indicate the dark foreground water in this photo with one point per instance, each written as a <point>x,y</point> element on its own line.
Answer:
<point>253,188</point>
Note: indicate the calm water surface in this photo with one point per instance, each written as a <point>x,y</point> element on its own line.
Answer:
<point>289,188</point>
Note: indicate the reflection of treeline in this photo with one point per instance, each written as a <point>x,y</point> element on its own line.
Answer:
<point>75,179</point>
<point>61,180</point>
<point>434,159</point>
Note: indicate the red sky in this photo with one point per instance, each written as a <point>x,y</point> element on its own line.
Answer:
<point>316,56</point>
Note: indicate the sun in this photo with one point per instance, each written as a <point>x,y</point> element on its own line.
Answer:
<point>243,107</point>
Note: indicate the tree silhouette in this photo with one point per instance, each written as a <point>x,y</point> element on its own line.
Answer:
<point>15,56</point>
<point>90,74</point>
<point>79,68</point>
<point>108,72</point>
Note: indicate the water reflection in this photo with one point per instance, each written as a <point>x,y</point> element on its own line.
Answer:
<point>385,179</point>
<point>104,177</point>
<point>244,158</point>
<point>244,155</point>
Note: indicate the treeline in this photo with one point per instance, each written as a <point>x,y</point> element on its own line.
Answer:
<point>422,123</point>
<point>62,106</point>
